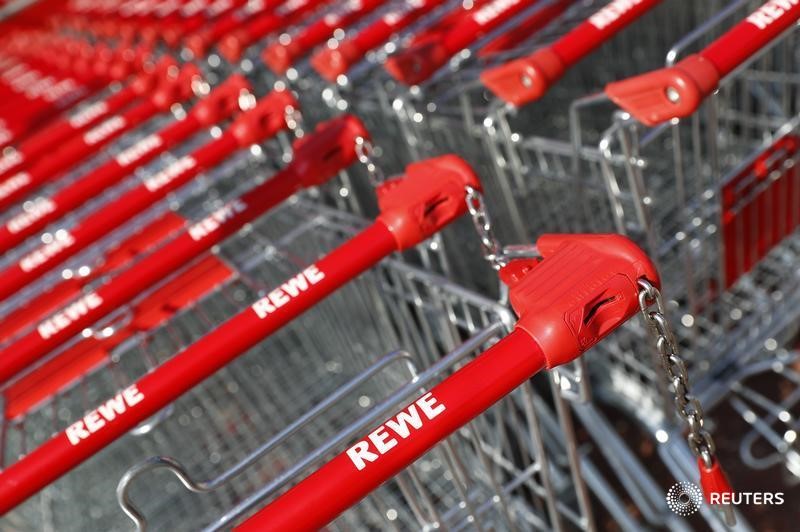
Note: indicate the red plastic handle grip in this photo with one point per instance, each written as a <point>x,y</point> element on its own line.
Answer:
<point>526,28</point>
<point>273,17</point>
<point>279,56</point>
<point>527,79</point>
<point>333,62</point>
<point>678,91</point>
<point>417,63</point>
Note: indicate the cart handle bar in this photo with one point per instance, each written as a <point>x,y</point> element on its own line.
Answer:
<point>430,196</point>
<point>678,91</point>
<point>584,287</point>
<point>527,79</point>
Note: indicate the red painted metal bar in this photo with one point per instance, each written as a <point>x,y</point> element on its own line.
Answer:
<point>120,256</point>
<point>333,62</point>
<point>256,125</point>
<point>280,56</point>
<point>418,62</point>
<point>318,157</point>
<point>413,208</point>
<point>678,91</point>
<point>275,18</point>
<point>77,149</point>
<point>527,79</point>
<point>220,104</point>
<point>584,287</point>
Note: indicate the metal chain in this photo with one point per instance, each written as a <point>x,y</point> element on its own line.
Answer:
<point>492,250</point>
<point>700,442</point>
<point>364,150</point>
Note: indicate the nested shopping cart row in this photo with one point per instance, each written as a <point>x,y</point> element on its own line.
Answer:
<point>707,189</point>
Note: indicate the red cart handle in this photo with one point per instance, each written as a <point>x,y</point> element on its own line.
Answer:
<point>678,91</point>
<point>160,387</point>
<point>280,56</point>
<point>526,28</point>
<point>220,103</point>
<point>331,63</point>
<point>417,63</point>
<point>331,149</point>
<point>527,79</point>
<point>256,125</point>
<point>273,17</point>
<point>575,271</point>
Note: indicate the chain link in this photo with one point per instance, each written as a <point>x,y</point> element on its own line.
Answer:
<point>492,250</point>
<point>364,151</point>
<point>688,406</point>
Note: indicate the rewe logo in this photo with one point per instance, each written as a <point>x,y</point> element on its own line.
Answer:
<point>612,12</point>
<point>490,12</point>
<point>104,130</point>
<point>287,291</point>
<point>71,313</point>
<point>215,220</point>
<point>84,116</point>
<point>104,414</point>
<point>9,160</point>
<point>770,12</point>
<point>39,256</point>
<point>138,150</point>
<point>170,173</point>
<point>382,441</point>
<point>40,207</point>
<point>14,183</point>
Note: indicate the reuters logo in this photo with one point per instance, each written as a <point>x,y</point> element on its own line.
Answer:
<point>684,498</point>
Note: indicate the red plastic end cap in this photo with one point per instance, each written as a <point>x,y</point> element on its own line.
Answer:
<point>176,88</point>
<point>198,43</point>
<point>265,119</point>
<point>662,95</point>
<point>233,45</point>
<point>328,150</point>
<point>222,101</point>
<point>584,287</point>
<point>331,63</point>
<point>280,57</point>
<point>526,79</point>
<point>430,195</point>
<point>713,480</point>
<point>419,62</point>
<point>151,77</point>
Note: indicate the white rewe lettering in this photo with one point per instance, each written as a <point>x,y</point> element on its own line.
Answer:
<point>14,183</point>
<point>216,219</point>
<point>35,211</point>
<point>383,439</point>
<point>491,11</point>
<point>770,12</point>
<point>170,173</point>
<point>103,131</point>
<point>10,160</point>
<point>138,150</point>
<point>98,418</point>
<point>287,291</point>
<point>87,114</point>
<point>612,12</point>
<point>39,256</point>
<point>70,314</point>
